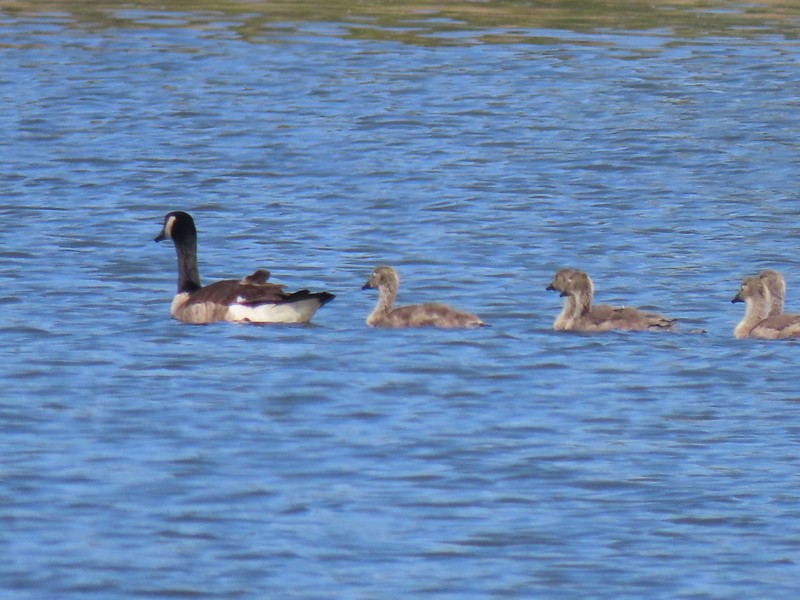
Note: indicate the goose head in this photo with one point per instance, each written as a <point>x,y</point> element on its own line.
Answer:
<point>178,226</point>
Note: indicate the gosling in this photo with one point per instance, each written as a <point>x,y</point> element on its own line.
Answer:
<point>431,314</point>
<point>578,314</point>
<point>763,317</point>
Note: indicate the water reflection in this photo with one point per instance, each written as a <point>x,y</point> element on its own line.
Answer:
<point>424,22</point>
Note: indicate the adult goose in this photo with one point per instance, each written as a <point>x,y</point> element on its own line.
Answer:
<point>432,314</point>
<point>250,299</point>
<point>763,317</point>
<point>578,314</point>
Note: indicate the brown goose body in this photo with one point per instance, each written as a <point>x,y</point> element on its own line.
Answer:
<point>250,299</point>
<point>578,313</point>
<point>431,314</point>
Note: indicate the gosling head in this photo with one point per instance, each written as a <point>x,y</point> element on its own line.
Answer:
<point>751,288</point>
<point>569,282</point>
<point>382,277</point>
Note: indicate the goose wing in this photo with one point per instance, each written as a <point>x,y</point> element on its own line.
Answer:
<point>259,277</point>
<point>431,314</point>
<point>230,291</point>
<point>607,317</point>
<point>780,326</point>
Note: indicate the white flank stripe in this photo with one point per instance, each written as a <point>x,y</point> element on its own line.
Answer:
<point>289,312</point>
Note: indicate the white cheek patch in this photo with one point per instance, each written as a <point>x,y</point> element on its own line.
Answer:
<point>168,226</point>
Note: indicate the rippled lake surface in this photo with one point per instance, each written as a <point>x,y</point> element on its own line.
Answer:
<point>142,457</point>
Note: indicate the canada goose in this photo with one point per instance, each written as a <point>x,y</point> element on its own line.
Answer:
<point>578,314</point>
<point>760,294</point>
<point>431,314</point>
<point>250,299</point>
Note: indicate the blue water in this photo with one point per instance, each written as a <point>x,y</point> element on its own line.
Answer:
<point>141,457</point>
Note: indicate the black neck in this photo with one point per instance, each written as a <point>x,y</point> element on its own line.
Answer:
<point>188,273</point>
